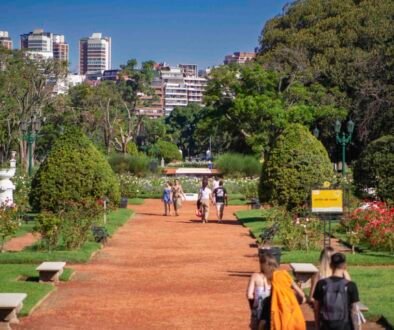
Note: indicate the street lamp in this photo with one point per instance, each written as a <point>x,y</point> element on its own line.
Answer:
<point>30,129</point>
<point>344,140</point>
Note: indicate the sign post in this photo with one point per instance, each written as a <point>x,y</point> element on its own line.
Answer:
<point>325,203</point>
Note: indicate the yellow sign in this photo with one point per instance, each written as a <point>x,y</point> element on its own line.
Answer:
<point>327,201</point>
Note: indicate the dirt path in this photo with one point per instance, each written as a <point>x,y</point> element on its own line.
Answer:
<point>158,273</point>
<point>19,243</point>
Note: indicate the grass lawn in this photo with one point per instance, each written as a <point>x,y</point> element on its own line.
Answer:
<point>135,201</point>
<point>376,289</point>
<point>24,228</point>
<point>253,220</point>
<point>30,255</point>
<point>9,275</point>
<point>237,202</point>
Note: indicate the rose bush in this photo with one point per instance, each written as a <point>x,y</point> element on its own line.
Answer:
<point>373,225</point>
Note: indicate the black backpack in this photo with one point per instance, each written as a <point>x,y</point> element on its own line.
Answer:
<point>335,306</point>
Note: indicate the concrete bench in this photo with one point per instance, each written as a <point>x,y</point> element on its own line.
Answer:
<point>10,305</point>
<point>50,271</point>
<point>303,273</point>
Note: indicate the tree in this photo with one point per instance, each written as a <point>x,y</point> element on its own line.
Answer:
<point>252,105</point>
<point>26,88</point>
<point>297,163</point>
<point>181,125</point>
<point>341,44</point>
<point>166,150</point>
<point>374,168</point>
<point>74,170</point>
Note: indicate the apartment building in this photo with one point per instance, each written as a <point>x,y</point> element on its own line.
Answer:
<point>5,40</point>
<point>154,104</point>
<point>188,70</point>
<point>45,45</point>
<point>195,87</point>
<point>94,54</point>
<point>239,57</point>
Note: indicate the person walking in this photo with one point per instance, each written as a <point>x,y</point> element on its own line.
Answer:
<point>220,199</point>
<point>258,294</point>
<point>167,198</point>
<point>336,299</point>
<point>204,199</point>
<point>177,195</point>
<point>325,270</point>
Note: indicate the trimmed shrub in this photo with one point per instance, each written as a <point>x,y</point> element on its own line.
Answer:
<point>233,164</point>
<point>49,227</point>
<point>297,163</point>
<point>73,170</point>
<point>132,149</point>
<point>166,150</point>
<point>374,168</point>
<point>139,165</point>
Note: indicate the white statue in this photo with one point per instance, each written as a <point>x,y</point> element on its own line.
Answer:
<point>6,186</point>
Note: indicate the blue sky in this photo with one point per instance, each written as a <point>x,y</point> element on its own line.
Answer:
<point>175,31</point>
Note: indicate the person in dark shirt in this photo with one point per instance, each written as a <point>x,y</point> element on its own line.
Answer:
<point>336,299</point>
<point>220,198</point>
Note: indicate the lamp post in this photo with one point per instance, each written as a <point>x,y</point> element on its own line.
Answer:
<point>30,129</point>
<point>344,140</point>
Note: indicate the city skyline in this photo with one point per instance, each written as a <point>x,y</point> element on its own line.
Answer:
<point>199,32</point>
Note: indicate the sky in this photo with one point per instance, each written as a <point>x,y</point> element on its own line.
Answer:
<point>198,32</point>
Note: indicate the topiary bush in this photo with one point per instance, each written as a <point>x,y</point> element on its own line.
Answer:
<point>374,168</point>
<point>235,165</point>
<point>166,150</point>
<point>297,163</point>
<point>74,170</point>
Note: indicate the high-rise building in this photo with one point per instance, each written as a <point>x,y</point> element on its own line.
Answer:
<point>155,103</point>
<point>45,45</point>
<point>239,57</point>
<point>188,70</point>
<point>182,86</point>
<point>60,48</point>
<point>5,40</point>
<point>94,54</point>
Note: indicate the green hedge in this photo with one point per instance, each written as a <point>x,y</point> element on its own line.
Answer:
<point>74,170</point>
<point>233,164</point>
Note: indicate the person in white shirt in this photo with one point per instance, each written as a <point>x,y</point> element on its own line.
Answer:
<point>205,197</point>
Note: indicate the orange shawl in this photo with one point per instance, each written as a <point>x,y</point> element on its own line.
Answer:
<point>285,311</point>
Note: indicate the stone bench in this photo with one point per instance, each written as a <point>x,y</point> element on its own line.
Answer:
<point>50,271</point>
<point>303,273</point>
<point>10,305</point>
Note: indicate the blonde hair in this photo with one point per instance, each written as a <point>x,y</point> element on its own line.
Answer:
<point>325,269</point>
<point>268,265</point>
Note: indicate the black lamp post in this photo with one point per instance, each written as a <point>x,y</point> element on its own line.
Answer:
<point>30,129</point>
<point>344,140</point>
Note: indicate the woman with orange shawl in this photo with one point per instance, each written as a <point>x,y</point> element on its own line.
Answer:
<point>285,312</point>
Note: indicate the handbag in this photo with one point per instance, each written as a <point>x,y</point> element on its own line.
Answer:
<point>198,213</point>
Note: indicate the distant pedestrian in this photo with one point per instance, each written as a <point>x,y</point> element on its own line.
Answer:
<point>167,198</point>
<point>220,199</point>
<point>336,299</point>
<point>204,199</point>
<point>177,195</point>
<point>215,183</point>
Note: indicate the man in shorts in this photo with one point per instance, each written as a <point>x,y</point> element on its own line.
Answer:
<point>220,198</point>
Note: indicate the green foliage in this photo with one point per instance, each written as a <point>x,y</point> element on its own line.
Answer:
<point>166,150</point>
<point>49,227</point>
<point>342,44</point>
<point>374,168</point>
<point>77,220</point>
<point>297,163</point>
<point>74,170</point>
<point>232,164</point>
<point>132,149</point>
<point>139,165</point>
<point>9,223</point>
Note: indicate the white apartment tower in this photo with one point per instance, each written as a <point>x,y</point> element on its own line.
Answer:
<point>94,54</point>
<point>5,40</point>
<point>182,86</point>
<point>45,45</point>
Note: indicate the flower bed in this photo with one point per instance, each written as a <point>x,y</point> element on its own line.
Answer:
<point>372,225</point>
<point>132,186</point>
